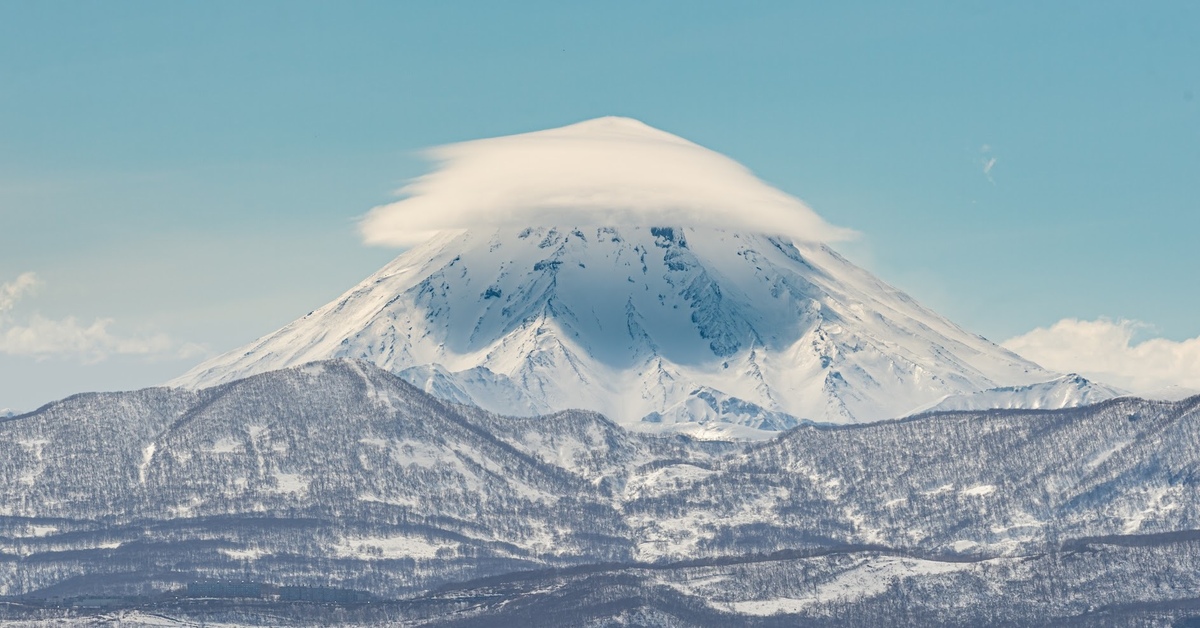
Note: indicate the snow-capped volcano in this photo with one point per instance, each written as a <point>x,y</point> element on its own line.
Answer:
<point>649,293</point>
<point>648,325</point>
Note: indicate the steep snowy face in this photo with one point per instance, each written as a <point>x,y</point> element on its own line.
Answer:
<point>664,328</point>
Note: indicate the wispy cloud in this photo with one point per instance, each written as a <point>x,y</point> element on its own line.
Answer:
<point>1105,350</point>
<point>988,162</point>
<point>42,337</point>
<point>608,171</point>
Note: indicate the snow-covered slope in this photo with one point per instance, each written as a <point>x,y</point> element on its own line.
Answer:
<point>339,475</point>
<point>1068,391</point>
<point>679,326</point>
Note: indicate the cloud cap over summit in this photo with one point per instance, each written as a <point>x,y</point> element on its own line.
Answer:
<point>606,171</point>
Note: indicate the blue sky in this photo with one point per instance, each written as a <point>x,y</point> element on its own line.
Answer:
<point>193,171</point>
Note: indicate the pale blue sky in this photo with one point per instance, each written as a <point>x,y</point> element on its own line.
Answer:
<point>195,168</point>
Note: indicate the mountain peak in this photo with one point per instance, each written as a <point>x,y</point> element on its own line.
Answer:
<point>647,325</point>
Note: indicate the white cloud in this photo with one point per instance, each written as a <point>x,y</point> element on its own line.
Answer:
<point>1105,350</point>
<point>607,171</point>
<point>12,292</point>
<point>43,337</point>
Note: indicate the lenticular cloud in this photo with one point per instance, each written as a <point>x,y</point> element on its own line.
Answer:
<point>607,171</point>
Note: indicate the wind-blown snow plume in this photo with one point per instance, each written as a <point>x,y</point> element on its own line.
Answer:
<point>1105,350</point>
<point>607,171</point>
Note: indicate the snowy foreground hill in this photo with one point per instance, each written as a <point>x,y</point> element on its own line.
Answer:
<point>337,492</point>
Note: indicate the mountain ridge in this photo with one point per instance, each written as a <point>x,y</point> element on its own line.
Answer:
<point>338,475</point>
